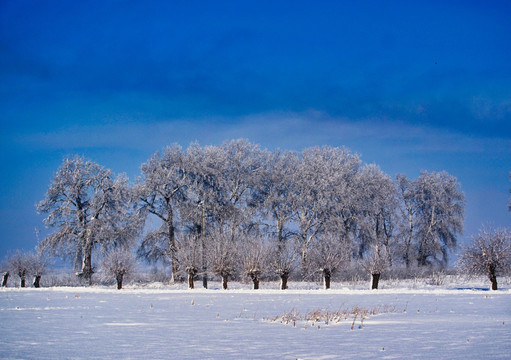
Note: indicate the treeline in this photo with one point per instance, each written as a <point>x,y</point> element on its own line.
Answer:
<point>237,208</point>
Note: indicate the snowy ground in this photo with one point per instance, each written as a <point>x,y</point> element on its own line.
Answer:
<point>160,323</point>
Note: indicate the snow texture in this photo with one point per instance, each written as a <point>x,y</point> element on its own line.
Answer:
<point>141,323</point>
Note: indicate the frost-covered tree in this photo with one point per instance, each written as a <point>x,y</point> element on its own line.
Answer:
<point>160,192</point>
<point>6,271</point>
<point>276,195</point>
<point>254,256</point>
<point>284,260</point>
<point>38,264</point>
<point>375,261</point>
<point>89,208</point>
<point>407,226</point>
<point>223,255</point>
<point>440,211</point>
<point>330,253</point>
<point>320,174</point>
<point>119,262</point>
<point>433,209</point>
<point>377,210</point>
<point>200,211</point>
<point>189,254</point>
<point>488,254</point>
<point>19,262</point>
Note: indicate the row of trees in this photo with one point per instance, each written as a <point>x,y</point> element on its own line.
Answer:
<point>210,209</point>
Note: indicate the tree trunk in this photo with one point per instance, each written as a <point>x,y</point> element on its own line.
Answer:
<point>493,279</point>
<point>172,246</point>
<point>22,282</point>
<point>225,278</point>
<point>5,277</point>
<point>326,277</point>
<point>375,281</point>
<point>203,244</point>
<point>255,281</point>
<point>37,281</point>
<point>119,277</point>
<point>87,263</point>
<point>191,285</point>
<point>283,281</point>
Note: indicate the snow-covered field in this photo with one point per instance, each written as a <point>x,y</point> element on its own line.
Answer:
<point>173,323</point>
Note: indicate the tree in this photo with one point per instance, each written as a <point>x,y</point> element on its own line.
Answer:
<point>5,270</point>
<point>38,264</point>
<point>254,256</point>
<point>276,194</point>
<point>321,172</point>
<point>119,262</point>
<point>89,209</point>
<point>283,261</point>
<point>329,254</point>
<point>432,208</point>
<point>377,211</point>
<point>19,262</point>
<point>204,195</point>
<point>189,253</point>
<point>160,191</point>
<point>488,254</point>
<point>223,255</point>
<point>440,210</point>
<point>408,208</point>
<point>375,261</point>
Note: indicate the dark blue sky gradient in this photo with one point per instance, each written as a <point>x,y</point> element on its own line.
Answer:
<point>408,85</point>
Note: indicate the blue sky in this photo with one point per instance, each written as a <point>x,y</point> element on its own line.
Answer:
<point>408,85</point>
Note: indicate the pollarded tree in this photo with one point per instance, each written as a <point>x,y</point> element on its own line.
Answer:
<point>189,254</point>
<point>489,254</point>
<point>19,262</point>
<point>38,263</point>
<point>254,258</point>
<point>89,209</point>
<point>119,262</point>
<point>330,253</point>
<point>375,261</point>
<point>223,255</point>
<point>6,271</point>
<point>440,211</point>
<point>284,260</point>
<point>200,212</point>
<point>160,192</point>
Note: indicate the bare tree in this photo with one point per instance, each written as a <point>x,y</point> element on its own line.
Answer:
<point>488,254</point>
<point>283,261</point>
<point>223,255</point>
<point>330,254</point>
<point>407,225</point>
<point>38,264</point>
<point>276,194</point>
<point>19,262</point>
<point>377,211</point>
<point>89,208</point>
<point>321,172</point>
<point>375,261</point>
<point>440,215</point>
<point>204,195</point>
<point>189,253</point>
<point>119,262</point>
<point>5,270</point>
<point>160,191</point>
<point>254,257</point>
